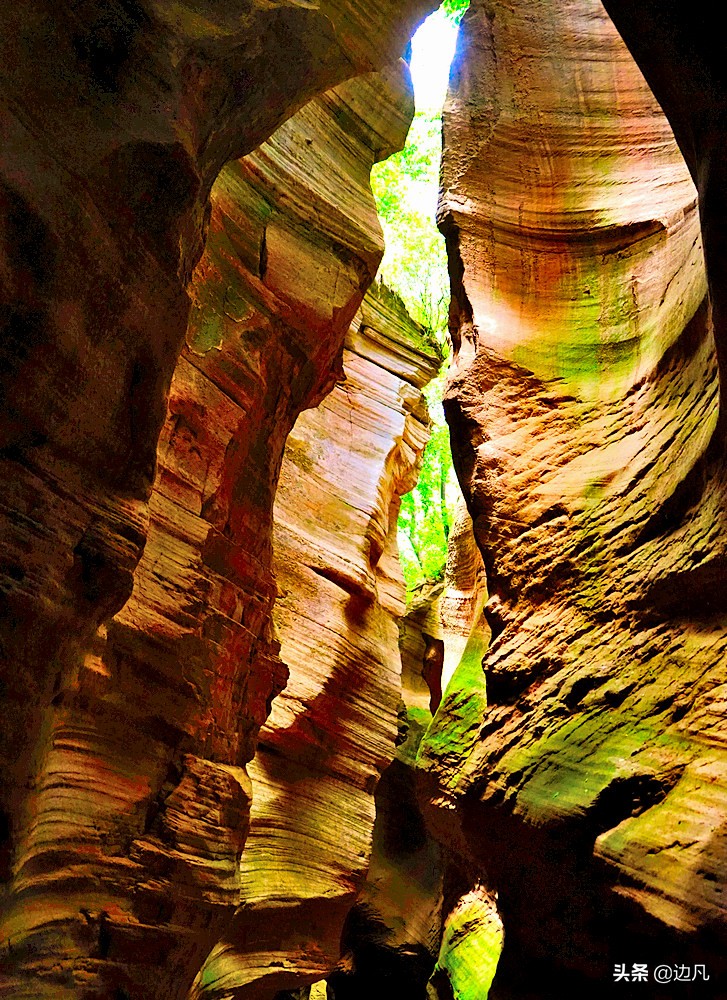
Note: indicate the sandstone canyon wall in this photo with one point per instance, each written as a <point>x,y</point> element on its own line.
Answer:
<point>333,729</point>
<point>424,924</point>
<point>125,799</point>
<point>583,403</point>
<point>148,392</point>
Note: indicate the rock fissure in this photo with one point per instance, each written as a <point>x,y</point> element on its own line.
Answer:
<point>235,764</point>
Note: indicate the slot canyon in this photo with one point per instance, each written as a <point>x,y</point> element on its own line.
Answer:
<point>239,759</point>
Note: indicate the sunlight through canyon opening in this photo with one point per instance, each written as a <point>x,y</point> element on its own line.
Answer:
<point>406,187</point>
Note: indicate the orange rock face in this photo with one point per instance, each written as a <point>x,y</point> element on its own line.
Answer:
<point>332,730</point>
<point>147,392</point>
<point>400,938</point>
<point>582,401</point>
<point>125,801</point>
<point>681,57</point>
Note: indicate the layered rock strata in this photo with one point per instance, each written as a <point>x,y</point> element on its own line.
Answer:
<point>422,926</point>
<point>681,55</point>
<point>583,403</point>
<point>391,936</point>
<point>332,730</point>
<point>125,801</point>
<point>591,793</point>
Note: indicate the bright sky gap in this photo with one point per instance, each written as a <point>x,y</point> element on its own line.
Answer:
<point>432,53</point>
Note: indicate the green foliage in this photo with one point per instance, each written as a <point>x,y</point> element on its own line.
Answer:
<point>428,511</point>
<point>415,266</point>
<point>455,8</point>
<point>405,187</point>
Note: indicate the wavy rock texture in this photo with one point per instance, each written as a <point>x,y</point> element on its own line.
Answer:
<point>453,617</point>
<point>391,937</point>
<point>406,934</point>
<point>583,400</point>
<point>124,814</point>
<point>591,793</point>
<point>470,947</point>
<point>332,730</point>
<point>682,57</point>
<point>444,625</point>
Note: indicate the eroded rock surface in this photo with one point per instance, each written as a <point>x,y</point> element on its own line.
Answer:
<point>422,926</point>
<point>125,800</point>
<point>390,940</point>
<point>332,730</point>
<point>470,947</point>
<point>681,54</point>
<point>583,403</point>
<point>591,793</point>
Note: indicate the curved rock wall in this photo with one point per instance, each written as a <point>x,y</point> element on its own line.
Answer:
<point>470,948</point>
<point>125,801</point>
<point>681,54</point>
<point>582,402</point>
<point>332,730</point>
<point>422,925</point>
<point>591,793</point>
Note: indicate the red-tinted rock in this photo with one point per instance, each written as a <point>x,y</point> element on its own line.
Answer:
<point>125,799</point>
<point>583,400</point>
<point>332,730</point>
<point>681,54</point>
<point>418,925</point>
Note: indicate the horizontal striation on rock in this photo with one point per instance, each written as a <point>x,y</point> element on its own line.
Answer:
<point>460,700</point>
<point>577,218</point>
<point>583,405</point>
<point>332,730</point>
<point>682,57</point>
<point>423,925</point>
<point>419,925</point>
<point>131,807</point>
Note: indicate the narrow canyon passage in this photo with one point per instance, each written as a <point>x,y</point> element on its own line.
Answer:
<point>284,719</point>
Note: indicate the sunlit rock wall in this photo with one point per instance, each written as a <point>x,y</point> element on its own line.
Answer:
<point>124,800</point>
<point>682,57</point>
<point>423,925</point>
<point>583,402</point>
<point>470,947</point>
<point>332,730</point>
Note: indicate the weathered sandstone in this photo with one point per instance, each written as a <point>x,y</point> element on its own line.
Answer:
<point>146,396</point>
<point>470,947</point>
<point>680,51</point>
<point>125,801</point>
<point>422,924</point>
<point>391,936</point>
<point>583,403</point>
<point>332,730</point>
